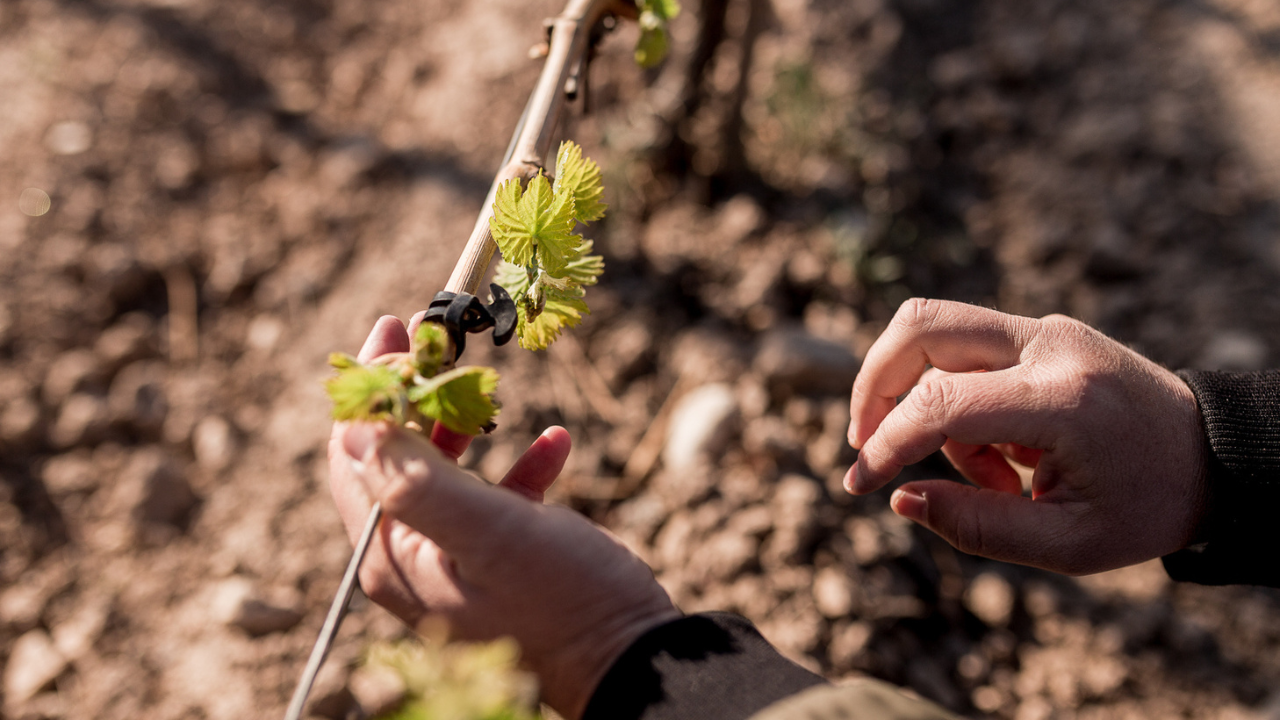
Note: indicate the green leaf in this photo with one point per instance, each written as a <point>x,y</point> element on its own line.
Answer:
<point>651,48</point>
<point>580,176</point>
<point>365,392</point>
<point>509,231</point>
<point>538,222</point>
<point>664,9</point>
<point>584,269</point>
<point>462,399</point>
<point>342,361</point>
<point>513,278</point>
<point>564,308</point>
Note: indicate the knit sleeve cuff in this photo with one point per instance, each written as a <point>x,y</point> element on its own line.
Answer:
<point>713,665</point>
<point>1241,413</point>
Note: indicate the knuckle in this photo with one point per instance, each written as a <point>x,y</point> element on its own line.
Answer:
<point>405,488</point>
<point>917,314</point>
<point>932,401</point>
<point>968,536</point>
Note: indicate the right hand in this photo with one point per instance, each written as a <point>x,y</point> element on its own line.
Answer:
<point>1116,440</point>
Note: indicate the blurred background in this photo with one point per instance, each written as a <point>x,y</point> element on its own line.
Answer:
<point>199,200</point>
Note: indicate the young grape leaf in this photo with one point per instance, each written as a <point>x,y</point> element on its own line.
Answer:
<point>513,278</point>
<point>509,231</point>
<point>584,269</point>
<point>564,308</point>
<point>651,48</point>
<point>665,9</point>
<point>342,361</point>
<point>365,392</point>
<point>581,177</point>
<point>538,220</point>
<point>462,399</point>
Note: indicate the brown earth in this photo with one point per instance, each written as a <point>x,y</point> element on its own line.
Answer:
<point>239,187</point>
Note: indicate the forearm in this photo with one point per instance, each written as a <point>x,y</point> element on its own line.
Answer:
<point>1241,413</point>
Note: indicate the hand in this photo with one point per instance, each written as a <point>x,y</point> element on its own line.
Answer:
<point>1116,440</point>
<point>493,561</point>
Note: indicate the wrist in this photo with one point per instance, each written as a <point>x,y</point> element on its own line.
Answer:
<point>1197,467</point>
<point>571,675</point>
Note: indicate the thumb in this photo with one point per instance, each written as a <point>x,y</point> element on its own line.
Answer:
<point>999,525</point>
<point>426,491</point>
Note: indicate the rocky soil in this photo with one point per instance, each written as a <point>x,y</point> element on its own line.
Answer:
<point>199,200</point>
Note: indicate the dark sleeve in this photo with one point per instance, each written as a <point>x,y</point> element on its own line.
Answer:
<point>1239,539</point>
<point>713,665</point>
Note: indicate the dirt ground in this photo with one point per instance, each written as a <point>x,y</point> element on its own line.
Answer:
<point>199,200</point>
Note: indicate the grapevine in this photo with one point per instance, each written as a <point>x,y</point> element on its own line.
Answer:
<point>533,218</point>
<point>546,270</point>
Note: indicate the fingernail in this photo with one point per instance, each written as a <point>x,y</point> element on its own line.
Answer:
<point>909,503</point>
<point>850,480</point>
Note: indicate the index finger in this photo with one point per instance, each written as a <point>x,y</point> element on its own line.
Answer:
<point>951,336</point>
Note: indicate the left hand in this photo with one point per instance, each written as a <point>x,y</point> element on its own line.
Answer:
<point>493,561</point>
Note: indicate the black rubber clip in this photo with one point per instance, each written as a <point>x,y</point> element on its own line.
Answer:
<point>462,313</point>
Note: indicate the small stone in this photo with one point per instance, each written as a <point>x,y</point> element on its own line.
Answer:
<point>20,423</point>
<point>377,689</point>
<point>348,161</point>
<point>724,556</point>
<point>264,332</point>
<point>671,546</point>
<point>22,605</point>
<point>75,637</point>
<point>772,437</point>
<point>214,443</point>
<point>71,372</point>
<point>1040,598</point>
<point>130,338</point>
<point>151,489</point>
<point>848,642</point>
<point>177,163</point>
<point>137,398</point>
<point>791,358</point>
<point>330,696</point>
<point>794,520</point>
<point>113,267</point>
<point>991,598</point>
<point>706,355</point>
<point>34,663</point>
<point>70,473</point>
<point>83,421</point>
<point>701,425</point>
<point>238,603</point>
<point>626,348</point>
<point>69,137</point>
<point>833,592</point>
<point>988,699</point>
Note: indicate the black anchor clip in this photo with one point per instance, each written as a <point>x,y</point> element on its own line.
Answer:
<point>462,313</point>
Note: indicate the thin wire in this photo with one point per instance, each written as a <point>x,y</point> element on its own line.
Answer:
<point>337,611</point>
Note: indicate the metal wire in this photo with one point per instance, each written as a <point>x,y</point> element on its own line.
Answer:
<point>337,611</point>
